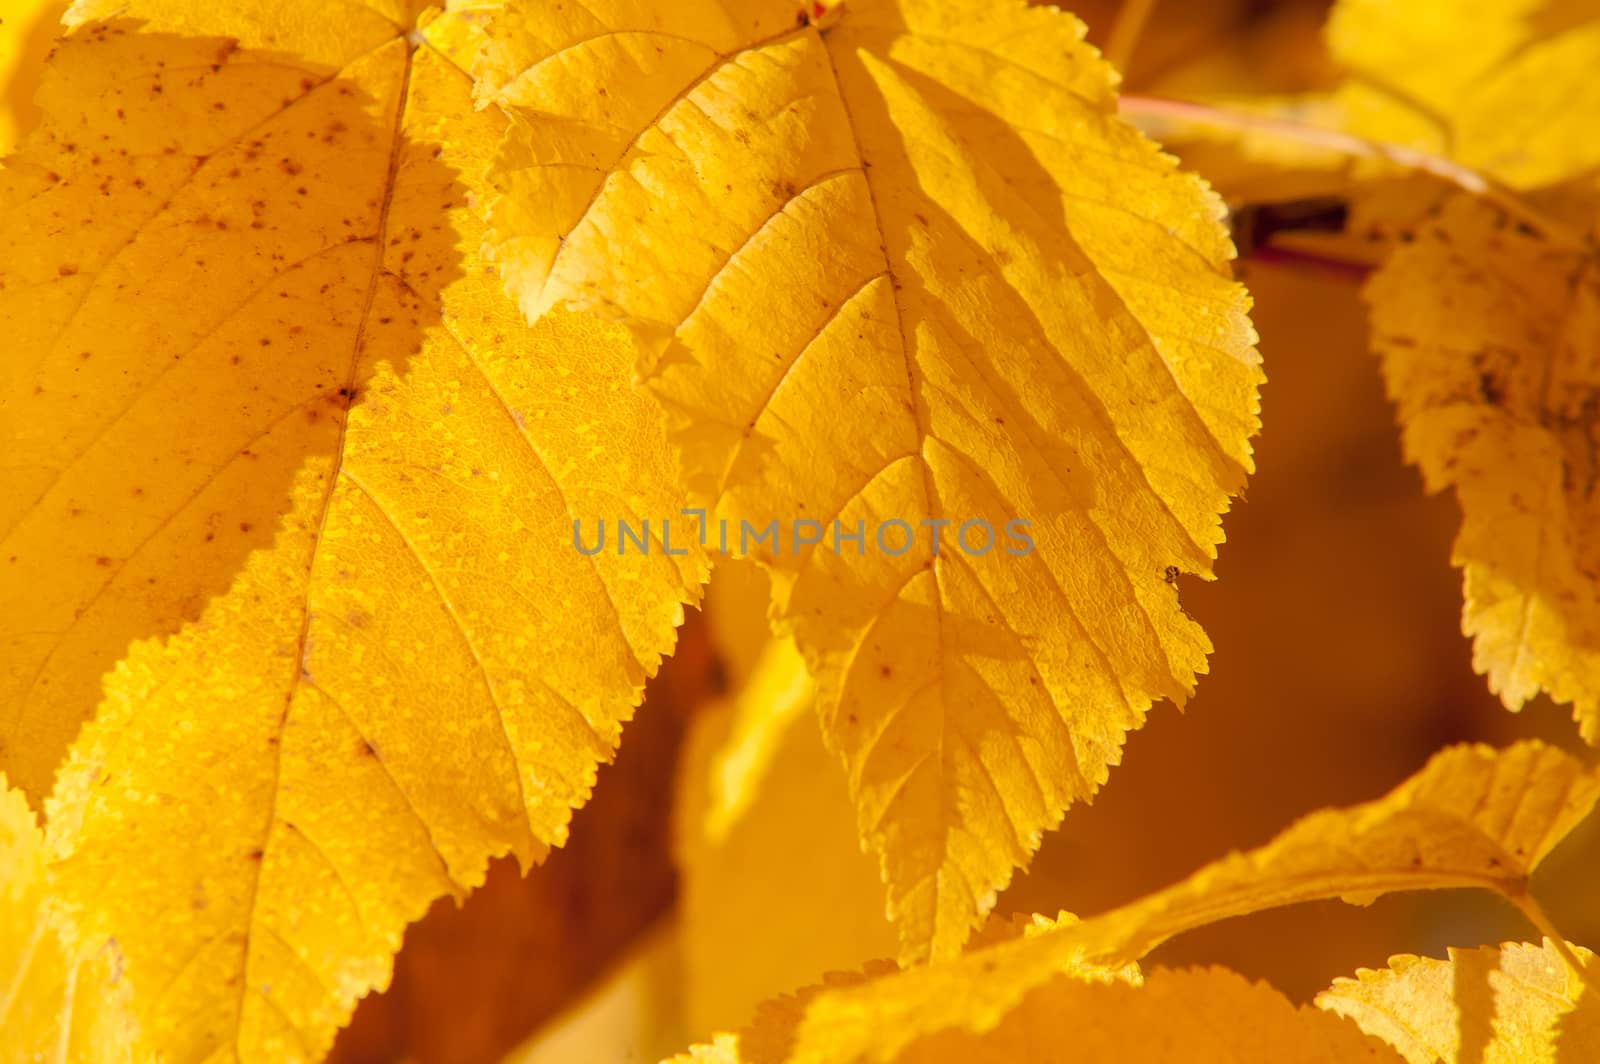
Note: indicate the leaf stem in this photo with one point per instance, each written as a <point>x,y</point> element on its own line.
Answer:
<point>1463,177</point>
<point>1536,915</point>
<point>1126,31</point>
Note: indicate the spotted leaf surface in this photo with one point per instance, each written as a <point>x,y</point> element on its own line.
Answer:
<point>278,442</point>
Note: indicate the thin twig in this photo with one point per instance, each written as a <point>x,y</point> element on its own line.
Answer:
<point>1462,177</point>
<point>1328,264</point>
<point>1126,31</point>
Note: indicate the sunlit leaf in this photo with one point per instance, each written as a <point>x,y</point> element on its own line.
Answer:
<point>1473,817</point>
<point>896,265</point>
<point>1489,337</point>
<point>1198,1016</point>
<point>1519,1004</point>
<point>55,1002</point>
<point>1502,86</point>
<point>270,394</point>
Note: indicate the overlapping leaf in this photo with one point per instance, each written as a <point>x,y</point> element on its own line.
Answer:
<point>903,263</point>
<point>1197,1016</point>
<point>176,305</point>
<point>1472,817</point>
<point>1486,324</point>
<point>266,391</point>
<point>1490,340</point>
<point>1497,91</point>
<point>54,1001</point>
<point>1505,87</point>
<point>1519,1004</point>
<point>1484,314</point>
<point>475,978</point>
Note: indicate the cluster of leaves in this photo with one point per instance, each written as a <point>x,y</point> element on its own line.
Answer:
<point>328,320</point>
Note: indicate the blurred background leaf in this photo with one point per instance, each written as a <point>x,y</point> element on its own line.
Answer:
<point>27,27</point>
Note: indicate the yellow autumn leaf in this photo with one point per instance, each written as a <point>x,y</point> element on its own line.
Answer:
<point>1191,1016</point>
<point>1482,94</point>
<point>1487,96</point>
<point>144,228</point>
<point>1472,817</point>
<point>1485,323</point>
<point>1488,336</point>
<point>1483,312</point>
<point>1505,87</point>
<point>268,392</point>
<point>901,270</point>
<point>1519,1004</point>
<point>474,978</point>
<point>55,1003</point>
